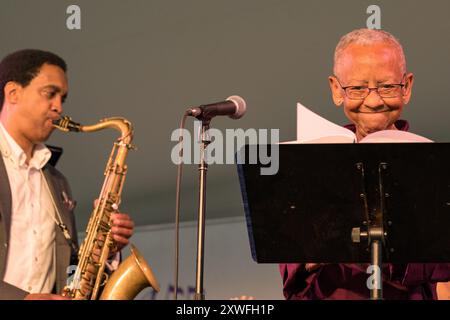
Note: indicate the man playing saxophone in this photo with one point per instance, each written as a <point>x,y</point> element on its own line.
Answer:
<point>37,241</point>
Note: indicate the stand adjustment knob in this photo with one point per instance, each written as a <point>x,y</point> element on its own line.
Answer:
<point>356,235</point>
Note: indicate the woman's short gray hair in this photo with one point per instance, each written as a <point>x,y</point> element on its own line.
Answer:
<point>366,37</point>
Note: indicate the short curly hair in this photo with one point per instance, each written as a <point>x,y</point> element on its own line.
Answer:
<point>23,66</point>
<point>367,37</point>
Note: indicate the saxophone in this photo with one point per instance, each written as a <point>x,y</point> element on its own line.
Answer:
<point>133,274</point>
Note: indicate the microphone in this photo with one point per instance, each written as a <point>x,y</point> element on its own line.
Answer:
<point>234,107</point>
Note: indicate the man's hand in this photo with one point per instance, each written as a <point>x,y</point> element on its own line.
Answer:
<point>122,229</point>
<point>45,296</point>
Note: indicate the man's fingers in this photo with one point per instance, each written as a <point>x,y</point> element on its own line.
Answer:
<point>121,241</point>
<point>129,224</point>
<point>45,296</point>
<point>122,219</point>
<point>124,232</point>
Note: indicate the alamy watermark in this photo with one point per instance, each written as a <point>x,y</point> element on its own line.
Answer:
<point>229,148</point>
<point>73,278</point>
<point>374,280</point>
<point>73,21</point>
<point>374,20</point>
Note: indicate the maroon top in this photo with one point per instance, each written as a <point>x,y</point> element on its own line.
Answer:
<point>414,281</point>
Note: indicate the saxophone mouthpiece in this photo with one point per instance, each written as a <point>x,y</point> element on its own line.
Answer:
<point>66,124</point>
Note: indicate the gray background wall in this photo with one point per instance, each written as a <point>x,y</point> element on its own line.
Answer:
<point>149,60</point>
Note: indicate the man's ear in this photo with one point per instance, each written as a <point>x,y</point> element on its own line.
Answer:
<point>407,89</point>
<point>336,91</point>
<point>11,92</point>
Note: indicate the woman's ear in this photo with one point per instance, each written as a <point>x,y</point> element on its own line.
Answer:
<point>336,91</point>
<point>407,89</point>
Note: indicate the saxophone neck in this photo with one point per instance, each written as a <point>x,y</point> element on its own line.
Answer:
<point>122,125</point>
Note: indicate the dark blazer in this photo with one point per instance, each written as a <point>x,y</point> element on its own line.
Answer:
<point>57,184</point>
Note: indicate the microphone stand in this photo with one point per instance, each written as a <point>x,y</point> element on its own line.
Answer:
<point>203,168</point>
<point>234,107</point>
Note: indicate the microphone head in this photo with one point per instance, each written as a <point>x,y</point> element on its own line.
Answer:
<point>241,106</point>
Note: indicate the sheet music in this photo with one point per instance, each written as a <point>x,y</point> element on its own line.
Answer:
<point>393,136</point>
<point>312,128</point>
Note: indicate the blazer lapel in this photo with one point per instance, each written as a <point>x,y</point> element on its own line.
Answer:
<point>5,199</point>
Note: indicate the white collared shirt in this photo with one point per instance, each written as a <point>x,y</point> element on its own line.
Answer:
<point>30,262</point>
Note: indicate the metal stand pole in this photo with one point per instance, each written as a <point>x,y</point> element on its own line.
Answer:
<point>373,233</point>
<point>376,292</point>
<point>203,167</point>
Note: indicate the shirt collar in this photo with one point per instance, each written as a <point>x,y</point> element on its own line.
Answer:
<point>10,149</point>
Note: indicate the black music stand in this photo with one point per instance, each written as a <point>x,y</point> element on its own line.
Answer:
<point>392,198</point>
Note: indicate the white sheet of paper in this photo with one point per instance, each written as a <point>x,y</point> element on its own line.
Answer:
<point>312,128</point>
<point>393,136</point>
